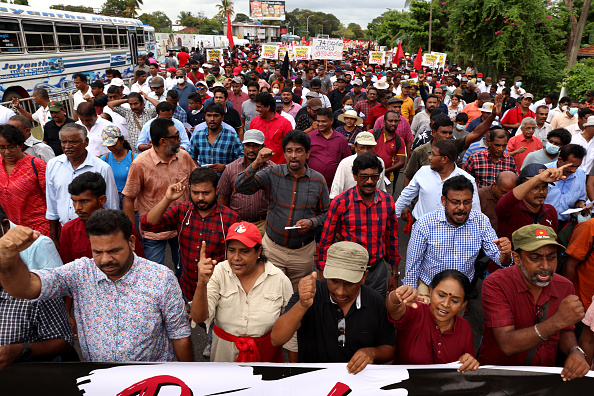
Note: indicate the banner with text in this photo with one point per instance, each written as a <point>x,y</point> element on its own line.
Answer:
<point>377,57</point>
<point>330,49</point>
<point>214,54</point>
<point>267,10</point>
<point>301,52</point>
<point>243,379</point>
<point>270,51</point>
<point>434,59</point>
<point>282,50</point>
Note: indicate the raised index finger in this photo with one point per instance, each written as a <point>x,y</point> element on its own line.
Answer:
<point>565,166</point>
<point>203,251</point>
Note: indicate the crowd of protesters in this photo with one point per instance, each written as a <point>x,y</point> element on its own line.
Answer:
<point>274,183</point>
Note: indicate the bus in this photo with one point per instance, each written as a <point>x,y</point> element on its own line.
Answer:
<point>44,48</point>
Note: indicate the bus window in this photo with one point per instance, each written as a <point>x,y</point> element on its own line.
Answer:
<point>123,33</point>
<point>140,37</point>
<point>10,37</point>
<point>68,37</point>
<point>110,35</point>
<point>39,37</point>
<point>92,37</point>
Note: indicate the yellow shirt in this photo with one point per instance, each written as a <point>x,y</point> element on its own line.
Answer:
<point>408,108</point>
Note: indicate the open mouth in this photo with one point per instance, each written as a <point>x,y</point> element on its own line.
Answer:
<point>441,312</point>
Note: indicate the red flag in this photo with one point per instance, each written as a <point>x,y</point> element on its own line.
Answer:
<point>230,32</point>
<point>419,60</point>
<point>399,53</point>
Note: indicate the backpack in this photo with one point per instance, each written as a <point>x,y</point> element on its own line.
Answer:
<point>378,132</point>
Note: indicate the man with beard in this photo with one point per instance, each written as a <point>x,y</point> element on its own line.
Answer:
<point>422,118</point>
<point>298,201</point>
<point>251,208</point>
<point>485,165</point>
<point>530,311</point>
<point>201,218</point>
<point>150,174</point>
<point>248,108</point>
<point>452,237</point>
<point>366,215</point>
<point>390,148</point>
<point>525,204</point>
<point>110,291</point>
<point>216,146</point>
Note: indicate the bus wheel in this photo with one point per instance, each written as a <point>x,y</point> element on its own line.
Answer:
<point>12,94</point>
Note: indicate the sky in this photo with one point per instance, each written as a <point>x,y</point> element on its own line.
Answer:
<point>347,11</point>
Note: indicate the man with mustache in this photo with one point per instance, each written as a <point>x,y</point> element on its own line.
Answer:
<point>525,204</point>
<point>451,237</point>
<point>201,218</point>
<point>530,311</point>
<point>149,177</point>
<point>87,192</point>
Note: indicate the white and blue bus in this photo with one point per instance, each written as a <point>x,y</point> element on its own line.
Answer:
<point>44,48</point>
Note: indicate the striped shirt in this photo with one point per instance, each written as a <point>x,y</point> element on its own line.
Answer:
<point>135,122</point>
<point>436,245</point>
<point>290,199</point>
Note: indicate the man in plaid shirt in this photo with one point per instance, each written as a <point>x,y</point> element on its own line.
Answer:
<point>367,216</point>
<point>485,165</point>
<point>200,219</point>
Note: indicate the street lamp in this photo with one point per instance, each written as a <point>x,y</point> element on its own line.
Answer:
<point>307,25</point>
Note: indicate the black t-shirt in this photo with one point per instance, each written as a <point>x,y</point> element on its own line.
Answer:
<point>232,118</point>
<point>367,326</point>
<point>469,97</point>
<point>195,119</point>
<point>51,135</point>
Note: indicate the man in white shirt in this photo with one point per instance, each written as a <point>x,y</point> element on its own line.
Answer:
<point>428,181</point>
<point>42,115</point>
<point>170,81</point>
<point>586,140</point>
<point>117,82</point>
<point>141,85</point>
<point>5,114</point>
<point>113,93</point>
<point>316,86</point>
<point>32,146</point>
<point>563,102</point>
<point>87,117</point>
<point>83,89</point>
<point>546,101</point>
<point>343,178</point>
<point>280,110</point>
<point>578,127</point>
<point>516,90</point>
<point>158,91</point>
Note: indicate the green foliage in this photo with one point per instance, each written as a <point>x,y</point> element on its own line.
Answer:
<point>117,7</point>
<point>72,8</point>
<point>241,18</point>
<point>158,19</point>
<point>580,79</point>
<point>199,20</point>
<point>225,7</point>
<point>318,22</point>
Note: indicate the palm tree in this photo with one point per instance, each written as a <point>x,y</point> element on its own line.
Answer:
<point>132,6</point>
<point>225,7</point>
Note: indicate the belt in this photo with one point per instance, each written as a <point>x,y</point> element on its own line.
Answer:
<point>299,246</point>
<point>263,217</point>
<point>370,268</point>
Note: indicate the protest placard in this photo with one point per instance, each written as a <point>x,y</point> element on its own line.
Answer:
<point>270,51</point>
<point>327,49</point>
<point>214,54</point>
<point>377,57</point>
<point>434,59</point>
<point>301,52</point>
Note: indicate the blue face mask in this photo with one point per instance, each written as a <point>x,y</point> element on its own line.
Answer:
<point>581,218</point>
<point>551,148</point>
<point>518,84</point>
<point>347,108</point>
<point>479,79</point>
<point>573,111</point>
<point>460,127</point>
<point>429,79</point>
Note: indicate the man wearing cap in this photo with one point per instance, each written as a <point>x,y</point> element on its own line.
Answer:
<point>483,85</point>
<point>141,84</point>
<point>273,125</point>
<point>307,122</point>
<point>365,215</point>
<point>338,318</point>
<point>408,107</point>
<point>51,132</point>
<point>520,146</point>
<point>530,311</point>
<point>236,95</point>
<point>474,109</point>
<point>357,94</point>
<point>335,96</point>
<point>525,204</point>
<point>368,80</point>
<point>251,208</point>
<point>516,90</point>
<point>469,95</point>
<point>485,165</point>
<point>343,178</point>
<point>158,91</point>
<point>586,140</point>
<point>87,117</point>
<point>513,117</point>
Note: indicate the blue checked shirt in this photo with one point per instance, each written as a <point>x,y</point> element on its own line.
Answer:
<point>180,114</point>
<point>226,148</point>
<point>436,245</point>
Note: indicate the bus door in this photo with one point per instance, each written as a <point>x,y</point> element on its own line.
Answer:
<point>133,45</point>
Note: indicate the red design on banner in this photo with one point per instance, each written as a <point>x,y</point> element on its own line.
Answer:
<point>151,386</point>
<point>340,389</point>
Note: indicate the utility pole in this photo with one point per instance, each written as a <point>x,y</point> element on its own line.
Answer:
<point>431,22</point>
<point>307,25</point>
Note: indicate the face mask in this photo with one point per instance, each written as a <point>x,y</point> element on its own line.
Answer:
<point>168,74</point>
<point>405,77</point>
<point>445,75</point>
<point>581,218</point>
<point>460,127</point>
<point>551,148</point>
<point>429,79</point>
<point>518,84</point>
<point>563,108</point>
<point>573,111</point>
<point>347,108</point>
<point>275,90</point>
<point>479,79</point>
<point>502,83</point>
<point>180,80</point>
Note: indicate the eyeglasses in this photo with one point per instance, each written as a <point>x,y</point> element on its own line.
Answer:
<point>455,202</point>
<point>342,329</point>
<point>436,155</point>
<point>11,148</point>
<point>172,137</point>
<point>364,177</point>
<point>529,128</point>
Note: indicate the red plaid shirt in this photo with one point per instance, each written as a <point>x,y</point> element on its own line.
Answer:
<point>374,227</point>
<point>481,167</point>
<point>363,106</point>
<point>192,230</point>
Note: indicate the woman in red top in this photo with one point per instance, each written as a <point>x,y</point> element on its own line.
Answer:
<point>432,333</point>
<point>22,182</point>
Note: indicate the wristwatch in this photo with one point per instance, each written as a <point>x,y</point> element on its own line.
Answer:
<point>396,274</point>
<point>26,354</point>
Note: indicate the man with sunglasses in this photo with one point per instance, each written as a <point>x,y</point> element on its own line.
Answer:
<point>451,237</point>
<point>338,318</point>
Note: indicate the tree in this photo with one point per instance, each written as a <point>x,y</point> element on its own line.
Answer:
<point>330,23</point>
<point>117,7</point>
<point>226,7</point>
<point>199,21</point>
<point>16,2</point>
<point>72,8</point>
<point>158,19</point>
<point>132,6</point>
<point>241,18</point>
<point>580,79</point>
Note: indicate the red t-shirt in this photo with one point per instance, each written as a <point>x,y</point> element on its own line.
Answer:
<point>199,77</point>
<point>420,341</point>
<point>514,115</point>
<point>274,132</point>
<point>376,112</point>
<point>513,214</point>
<point>183,58</point>
<point>75,243</point>
<point>386,149</point>
<point>507,301</point>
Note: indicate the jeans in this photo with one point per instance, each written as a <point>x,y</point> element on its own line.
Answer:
<point>155,251</point>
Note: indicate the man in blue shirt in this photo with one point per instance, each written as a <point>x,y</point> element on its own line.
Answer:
<point>164,110</point>
<point>183,88</point>
<point>570,192</point>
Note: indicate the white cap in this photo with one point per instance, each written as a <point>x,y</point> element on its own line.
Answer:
<point>253,136</point>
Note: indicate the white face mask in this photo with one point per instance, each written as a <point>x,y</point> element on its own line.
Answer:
<point>181,80</point>
<point>502,83</point>
<point>275,90</point>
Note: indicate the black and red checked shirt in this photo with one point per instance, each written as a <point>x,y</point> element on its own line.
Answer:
<point>481,166</point>
<point>192,230</point>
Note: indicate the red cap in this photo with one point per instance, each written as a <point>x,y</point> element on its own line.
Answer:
<point>358,70</point>
<point>171,69</point>
<point>479,74</point>
<point>246,233</point>
<point>237,70</point>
